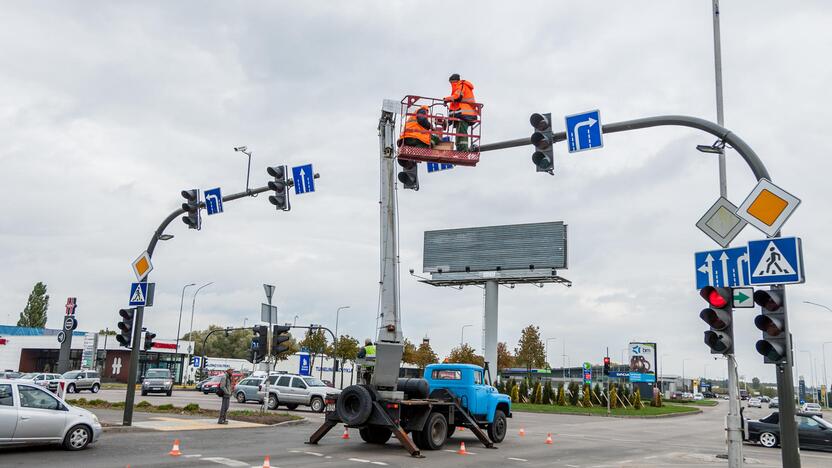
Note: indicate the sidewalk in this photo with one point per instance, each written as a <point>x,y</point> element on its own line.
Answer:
<point>112,420</point>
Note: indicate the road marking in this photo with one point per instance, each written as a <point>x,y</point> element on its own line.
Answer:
<point>359,460</point>
<point>193,456</point>
<point>226,461</point>
<point>314,453</point>
<point>517,459</point>
<point>379,463</point>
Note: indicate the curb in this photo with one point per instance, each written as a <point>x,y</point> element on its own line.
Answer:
<point>119,429</point>
<point>619,416</point>
<point>293,422</point>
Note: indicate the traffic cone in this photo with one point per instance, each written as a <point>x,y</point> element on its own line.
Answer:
<point>346,434</point>
<point>175,452</point>
<point>462,450</point>
<point>460,428</point>
<point>522,432</point>
<point>549,439</point>
<point>266,463</point>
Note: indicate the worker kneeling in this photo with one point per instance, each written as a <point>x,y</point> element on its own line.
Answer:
<point>417,131</point>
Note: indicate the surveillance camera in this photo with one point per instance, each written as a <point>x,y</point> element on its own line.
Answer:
<point>411,271</point>
<point>240,148</point>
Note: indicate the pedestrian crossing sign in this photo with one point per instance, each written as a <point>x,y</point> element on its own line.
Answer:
<point>776,261</point>
<point>141,294</point>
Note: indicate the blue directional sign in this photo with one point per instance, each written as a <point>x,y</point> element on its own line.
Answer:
<point>436,167</point>
<point>138,294</point>
<point>304,368</point>
<point>642,377</point>
<point>304,179</point>
<point>776,261</point>
<point>619,375</point>
<point>583,131</point>
<point>726,268</point>
<point>196,361</point>
<point>213,201</point>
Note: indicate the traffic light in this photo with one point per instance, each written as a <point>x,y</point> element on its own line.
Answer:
<point>148,340</point>
<point>719,315</point>
<point>259,344</point>
<point>280,199</point>
<point>191,207</point>
<point>409,176</point>
<point>280,335</point>
<point>542,139</point>
<point>606,365</point>
<point>125,337</point>
<point>772,323</point>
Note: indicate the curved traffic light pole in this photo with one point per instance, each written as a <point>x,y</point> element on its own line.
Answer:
<point>788,427</point>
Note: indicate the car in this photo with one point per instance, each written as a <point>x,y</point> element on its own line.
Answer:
<point>774,403</point>
<point>211,385</point>
<point>755,403</point>
<point>157,381</point>
<point>698,397</point>
<point>45,380</point>
<point>78,380</point>
<point>813,431</point>
<point>811,408</point>
<point>10,374</point>
<point>294,390</point>
<point>765,399</point>
<point>31,415</point>
<point>708,394</point>
<point>198,386</point>
<point>726,397</point>
<point>248,389</point>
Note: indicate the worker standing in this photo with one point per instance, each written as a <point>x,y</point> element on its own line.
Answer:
<point>417,130</point>
<point>367,355</point>
<point>462,107</point>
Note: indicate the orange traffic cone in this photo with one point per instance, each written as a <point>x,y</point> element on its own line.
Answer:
<point>346,434</point>
<point>266,463</point>
<point>460,428</point>
<point>549,439</point>
<point>522,432</point>
<point>175,452</point>
<point>462,450</point>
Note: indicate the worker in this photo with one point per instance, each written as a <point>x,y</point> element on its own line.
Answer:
<point>368,351</point>
<point>417,130</point>
<point>463,109</point>
<point>367,354</point>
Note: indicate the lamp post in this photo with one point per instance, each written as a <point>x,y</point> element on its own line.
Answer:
<point>295,322</point>
<point>823,348</point>
<point>462,335</point>
<point>684,385</point>
<point>182,365</point>
<point>193,305</point>
<point>335,345</point>
<point>811,371</point>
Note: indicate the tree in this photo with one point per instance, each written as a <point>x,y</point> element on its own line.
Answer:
<point>586,402</point>
<point>34,314</point>
<point>409,352</point>
<point>538,394</point>
<point>315,342</point>
<point>614,403</point>
<point>466,355</point>
<point>236,345</point>
<point>346,350</point>
<point>637,404</point>
<point>504,358</point>
<point>530,352</point>
<point>547,392</point>
<point>425,355</point>
<point>755,383</point>
<point>524,390</point>
<point>561,396</point>
<point>515,394</point>
<point>574,393</point>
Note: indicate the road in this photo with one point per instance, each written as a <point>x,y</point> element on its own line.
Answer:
<point>579,442</point>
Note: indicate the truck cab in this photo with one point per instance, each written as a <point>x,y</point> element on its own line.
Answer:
<point>466,382</point>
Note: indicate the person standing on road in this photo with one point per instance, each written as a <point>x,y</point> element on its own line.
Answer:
<point>224,392</point>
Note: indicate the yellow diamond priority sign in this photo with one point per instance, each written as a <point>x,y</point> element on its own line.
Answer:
<point>768,207</point>
<point>142,266</point>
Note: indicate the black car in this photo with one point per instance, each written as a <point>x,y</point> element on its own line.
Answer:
<point>708,394</point>
<point>813,431</point>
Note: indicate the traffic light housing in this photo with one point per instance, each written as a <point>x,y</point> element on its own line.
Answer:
<point>409,175</point>
<point>543,139</point>
<point>259,344</point>
<point>772,323</point>
<point>279,337</point>
<point>191,207</point>
<point>125,326</point>
<point>719,316</point>
<point>606,365</point>
<point>279,185</point>
<point>148,340</point>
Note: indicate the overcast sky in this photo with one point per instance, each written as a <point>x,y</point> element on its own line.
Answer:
<point>109,110</point>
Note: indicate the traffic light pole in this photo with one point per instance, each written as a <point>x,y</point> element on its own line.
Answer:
<point>790,452</point>
<point>733,421</point>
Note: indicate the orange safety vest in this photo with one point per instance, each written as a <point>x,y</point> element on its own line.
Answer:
<point>462,97</point>
<point>412,128</point>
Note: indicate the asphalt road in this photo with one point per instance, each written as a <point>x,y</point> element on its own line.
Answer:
<point>579,442</point>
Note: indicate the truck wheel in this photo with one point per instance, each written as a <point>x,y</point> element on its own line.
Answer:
<point>375,434</point>
<point>497,429</point>
<point>433,435</point>
<point>354,405</point>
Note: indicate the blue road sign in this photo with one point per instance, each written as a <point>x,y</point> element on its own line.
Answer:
<point>196,361</point>
<point>642,377</point>
<point>213,201</point>
<point>304,179</point>
<point>726,268</point>
<point>619,375</point>
<point>588,376</point>
<point>436,167</point>
<point>138,294</point>
<point>583,131</point>
<point>304,368</point>
<point>776,261</point>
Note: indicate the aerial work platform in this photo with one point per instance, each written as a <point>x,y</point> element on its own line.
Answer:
<point>444,127</point>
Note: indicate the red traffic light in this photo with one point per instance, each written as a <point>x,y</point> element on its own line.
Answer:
<point>606,360</point>
<point>716,297</point>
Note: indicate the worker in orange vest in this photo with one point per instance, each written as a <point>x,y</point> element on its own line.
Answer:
<point>417,130</point>
<point>462,109</point>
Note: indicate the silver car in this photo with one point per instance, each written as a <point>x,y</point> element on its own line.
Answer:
<point>248,390</point>
<point>45,380</point>
<point>82,380</point>
<point>32,415</point>
<point>294,390</point>
<point>157,381</point>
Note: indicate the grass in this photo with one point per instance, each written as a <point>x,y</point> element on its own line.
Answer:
<point>694,403</point>
<point>602,411</point>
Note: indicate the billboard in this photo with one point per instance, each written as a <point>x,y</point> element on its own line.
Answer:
<point>90,351</point>
<point>643,362</point>
<point>536,246</point>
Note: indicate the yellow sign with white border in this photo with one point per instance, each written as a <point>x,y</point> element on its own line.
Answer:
<point>768,207</point>
<point>142,266</point>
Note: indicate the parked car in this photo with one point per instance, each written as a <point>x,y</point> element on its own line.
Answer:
<point>248,389</point>
<point>765,399</point>
<point>45,380</point>
<point>811,408</point>
<point>698,396</point>
<point>10,374</point>
<point>813,432</point>
<point>82,380</point>
<point>294,390</point>
<point>198,386</point>
<point>31,415</point>
<point>708,394</point>
<point>157,381</point>
<point>774,403</point>
<point>211,385</point>
<point>755,403</point>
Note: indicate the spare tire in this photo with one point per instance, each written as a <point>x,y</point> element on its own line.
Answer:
<point>414,388</point>
<point>354,405</point>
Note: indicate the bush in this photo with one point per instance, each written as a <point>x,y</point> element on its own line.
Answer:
<point>547,393</point>
<point>191,408</point>
<point>143,404</point>
<point>117,404</point>
<point>561,396</point>
<point>165,407</point>
<point>614,403</point>
<point>80,401</point>
<point>573,393</point>
<point>538,393</point>
<point>586,402</point>
<point>524,391</point>
<point>637,404</point>
<point>515,394</point>
<point>657,401</point>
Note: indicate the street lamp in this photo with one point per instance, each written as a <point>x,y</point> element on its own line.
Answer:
<point>181,303</point>
<point>193,304</point>
<point>823,348</point>
<point>462,336</point>
<point>547,348</point>
<point>811,372</point>
<point>295,322</point>
<point>335,345</point>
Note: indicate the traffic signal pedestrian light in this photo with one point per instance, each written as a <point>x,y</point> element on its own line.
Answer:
<point>125,336</point>
<point>719,316</point>
<point>148,340</point>
<point>279,185</point>
<point>772,323</point>
<point>259,344</point>
<point>606,365</point>
<point>279,337</point>
<point>543,139</point>
<point>409,176</point>
<point>191,207</point>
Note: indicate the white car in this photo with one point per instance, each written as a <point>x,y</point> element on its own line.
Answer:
<point>812,408</point>
<point>31,415</point>
<point>755,403</point>
<point>698,396</point>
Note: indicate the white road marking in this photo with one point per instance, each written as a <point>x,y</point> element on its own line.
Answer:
<point>379,463</point>
<point>226,461</point>
<point>193,456</point>
<point>359,460</point>
<point>517,459</point>
<point>314,453</point>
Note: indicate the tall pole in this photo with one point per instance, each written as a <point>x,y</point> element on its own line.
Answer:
<point>608,385</point>
<point>335,346</point>
<point>191,332</point>
<point>462,334</point>
<point>790,450</point>
<point>684,385</point>
<point>723,186</point>
<point>823,348</point>
<point>269,290</point>
<point>811,370</point>
<point>179,326</point>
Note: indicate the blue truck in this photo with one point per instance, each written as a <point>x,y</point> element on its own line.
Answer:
<point>449,396</point>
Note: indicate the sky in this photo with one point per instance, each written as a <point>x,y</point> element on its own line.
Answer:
<point>110,110</point>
